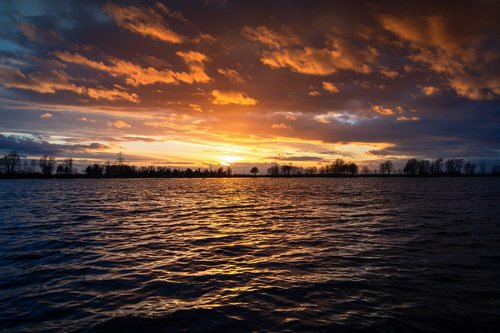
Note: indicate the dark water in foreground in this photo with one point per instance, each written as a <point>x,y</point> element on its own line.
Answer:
<point>388,255</point>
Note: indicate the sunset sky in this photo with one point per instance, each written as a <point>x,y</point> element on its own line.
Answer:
<point>192,83</point>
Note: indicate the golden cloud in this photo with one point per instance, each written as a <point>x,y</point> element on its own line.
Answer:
<point>54,80</point>
<point>388,73</point>
<point>136,75</point>
<point>269,37</point>
<point>456,56</point>
<point>288,52</point>
<point>281,126</point>
<point>144,21</point>
<point>119,124</point>
<point>231,97</point>
<point>429,90</point>
<point>407,119</point>
<point>46,115</point>
<point>232,74</point>
<point>330,87</point>
<point>382,111</point>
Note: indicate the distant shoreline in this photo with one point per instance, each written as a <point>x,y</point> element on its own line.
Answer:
<point>81,176</point>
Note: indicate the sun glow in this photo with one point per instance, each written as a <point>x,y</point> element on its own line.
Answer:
<point>227,160</point>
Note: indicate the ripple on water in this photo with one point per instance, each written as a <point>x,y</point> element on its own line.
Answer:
<point>365,254</point>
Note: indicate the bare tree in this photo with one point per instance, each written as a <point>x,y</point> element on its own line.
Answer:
<point>386,168</point>
<point>10,162</point>
<point>469,168</point>
<point>47,164</point>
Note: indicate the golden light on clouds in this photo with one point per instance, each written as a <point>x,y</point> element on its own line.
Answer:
<point>182,84</point>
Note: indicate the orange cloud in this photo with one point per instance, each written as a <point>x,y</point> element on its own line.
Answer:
<point>457,56</point>
<point>330,87</point>
<point>382,111</point>
<point>281,126</point>
<point>136,75</point>
<point>196,107</point>
<point>112,95</point>
<point>288,52</point>
<point>388,73</point>
<point>231,97</point>
<point>53,81</point>
<point>144,21</point>
<point>407,119</point>
<point>119,124</point>
<point>46,115</point>
<point>429,90</point>
<point>269,37</point>
<point>231,74</point>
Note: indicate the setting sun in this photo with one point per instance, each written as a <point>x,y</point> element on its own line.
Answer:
<point>228,160</point>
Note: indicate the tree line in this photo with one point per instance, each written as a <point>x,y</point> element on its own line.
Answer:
<point>11,165</point>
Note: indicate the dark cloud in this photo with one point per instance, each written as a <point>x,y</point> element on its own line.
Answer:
<point>297,158</point>
<point>38,146</point>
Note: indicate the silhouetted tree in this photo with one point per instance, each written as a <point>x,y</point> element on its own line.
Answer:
<point>254,171</point>
<point>454,166</point>
<point>386,168</point>
<point>353,168</point>
<point>365,170</point>
<point>47,164</point>
<point>65,168</point>
<point>286,170</point>
<point>437,167</point>
<point>274,170</point>
<point>482,167</point>
<point>424,168</point>
<point>94,170</point>
<point>10,163</point>
<point>311,171</point>
<point>411,167</point>
<point>469,168</point>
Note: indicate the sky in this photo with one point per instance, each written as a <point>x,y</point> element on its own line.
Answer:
<point>195,83</point>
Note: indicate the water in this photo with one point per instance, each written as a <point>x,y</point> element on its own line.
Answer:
<point>365,254</point>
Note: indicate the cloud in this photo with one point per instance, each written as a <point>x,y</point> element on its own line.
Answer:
<point>314,93</point>
<point>382,111</point>
<point>53,81</point>
<point>407,119</point>
<point>342,117</point>
<point>119,124</point>
<point>271,38</point>
<point>288,51</point>
<point>388,73</point>
<point>462,58</point>
<point>144,21</point>
<point>232,74</point>
<point>231,97</point>
<point>304,158</point>
<point>86,120</point>
<point>112,95</point>
<point>429,90</point>
<point>281,126</point>
<point>38,146</point>
<point>136,75</point>
<point>46,115</point>
<point>196,107</point>
<point>36,34</point>
<point>330,87</point>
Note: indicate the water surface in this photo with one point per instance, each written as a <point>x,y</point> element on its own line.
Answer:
<point>317,254</point>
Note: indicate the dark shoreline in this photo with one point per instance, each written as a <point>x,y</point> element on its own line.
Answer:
<point>81,176</point>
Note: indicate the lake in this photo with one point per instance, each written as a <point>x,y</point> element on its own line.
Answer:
<point>288,254</point>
